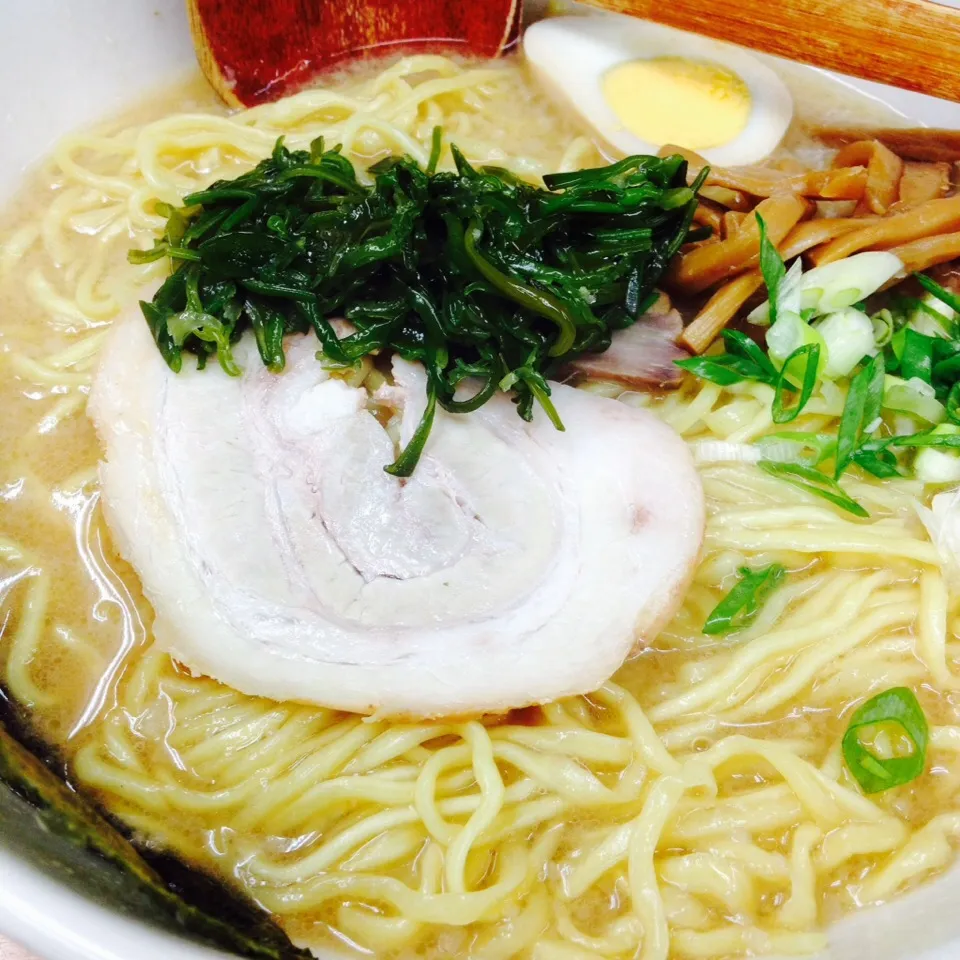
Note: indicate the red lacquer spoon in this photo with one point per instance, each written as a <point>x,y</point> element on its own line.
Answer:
<point>254,52</point>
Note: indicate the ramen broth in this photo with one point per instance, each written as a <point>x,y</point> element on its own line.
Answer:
<point>329,820</point>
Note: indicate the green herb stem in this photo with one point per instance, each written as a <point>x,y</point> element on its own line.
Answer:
<point>539,301</point>
<point>409,457</point>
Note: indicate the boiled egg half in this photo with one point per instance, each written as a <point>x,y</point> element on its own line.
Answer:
<point>641,85</point>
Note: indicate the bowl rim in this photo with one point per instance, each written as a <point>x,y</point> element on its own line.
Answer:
<point>122,50</point>
<point>57,923</point>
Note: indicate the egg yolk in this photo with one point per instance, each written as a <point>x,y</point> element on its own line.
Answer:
<point>691,103</point>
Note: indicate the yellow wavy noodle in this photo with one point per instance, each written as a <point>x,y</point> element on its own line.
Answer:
<point>697,806</point>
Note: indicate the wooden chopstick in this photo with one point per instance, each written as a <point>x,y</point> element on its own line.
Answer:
<point>914,44</point>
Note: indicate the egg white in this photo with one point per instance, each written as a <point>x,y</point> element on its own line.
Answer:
<point>571,56</point>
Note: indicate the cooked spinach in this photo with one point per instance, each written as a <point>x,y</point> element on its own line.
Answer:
<point>479,276</point>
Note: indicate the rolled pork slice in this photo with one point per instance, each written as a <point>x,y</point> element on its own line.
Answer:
<point>517,565</point>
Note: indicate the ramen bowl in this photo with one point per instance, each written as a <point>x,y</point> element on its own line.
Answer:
<point>65,903</point>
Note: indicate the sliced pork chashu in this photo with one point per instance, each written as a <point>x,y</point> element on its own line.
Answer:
<point>517,565</point>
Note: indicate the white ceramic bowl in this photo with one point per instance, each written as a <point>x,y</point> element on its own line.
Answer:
<point>66,64</point>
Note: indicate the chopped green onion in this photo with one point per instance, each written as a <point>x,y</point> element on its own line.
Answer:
<point>933,465</point>
<point>916,360</point>
<point>843,283</point>
<point>803,362</point>
<point>883,327</point>
<point>788,297</point>
<point>849,337</point>
<point>772,268</point>
<point>813,481</point>
<point>788,334</point>
<point>722,369</point>
<point>931,317</point>
<point>741,345</point>
<point>744,360</point>
<point>875,457</point>
<point>898,706</point>
<point>914,397</point>
<point>946,367</point>
<point>832,287</point>
<point>942,294</point>
<point>860,412</point>
<point>928,439</point>
<point>797,446</point>
<point>739,608</point>
<point>953,403</point>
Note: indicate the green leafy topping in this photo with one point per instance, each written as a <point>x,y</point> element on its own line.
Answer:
<point>743,360</point>
<point>474,273</point>
<point>861,411</point>
<point>436,145</point>
<point>740,606</point>
<point>916,344</point>
<point>916,357</point>
<point>170,243</point>
<point>876,458</point>
<point>946,366</point>
<point>406,461</point>
<point>943,295</point>
<point>771,267</point>
<point>813,481</point>
<point>953,403</point>
<point>900,708</point>
<point>800,367</point>
<point>926,439</point>
<point>811,448</point>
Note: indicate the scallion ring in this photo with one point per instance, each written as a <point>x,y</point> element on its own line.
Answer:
<point>897,706</point>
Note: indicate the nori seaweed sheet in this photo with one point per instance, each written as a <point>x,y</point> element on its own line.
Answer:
<point>64,834</point>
